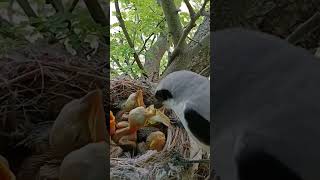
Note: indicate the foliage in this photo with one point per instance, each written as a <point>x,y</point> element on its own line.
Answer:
<point>75,30</point>
<point>144,22</point>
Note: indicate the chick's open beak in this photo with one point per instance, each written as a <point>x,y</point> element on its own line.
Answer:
<point>156,116</point>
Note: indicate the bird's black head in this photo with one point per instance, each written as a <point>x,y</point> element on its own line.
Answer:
<point>161,96</point>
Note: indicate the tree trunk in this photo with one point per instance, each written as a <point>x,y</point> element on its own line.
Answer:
<point>154,56</point>
<point>196,56</point>
<point>171,14</point>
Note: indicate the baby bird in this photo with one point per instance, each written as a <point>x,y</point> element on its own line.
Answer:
<point>5,172</point>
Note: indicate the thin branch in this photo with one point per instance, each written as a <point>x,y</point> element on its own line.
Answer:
<point>130,67</point>
<point>73,5</point>
<point>10,11</point>
<point>57,5</point>
<point>154,37</point>
<point>185,32</point>
<point>96,12</point>
<point>126,34</point>
<point>118,64</point>
<point>192,40</point>
<point>190,8</point>
<point>205,41</point>
<point>310,25</point>
<point>145,42</point>
<point>24,4</point>
<point>205,71</point>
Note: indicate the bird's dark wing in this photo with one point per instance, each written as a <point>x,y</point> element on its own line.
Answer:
<point>198,125</point>
<point>254,160</point>
<point>251,156</point>
<point>265,85</point>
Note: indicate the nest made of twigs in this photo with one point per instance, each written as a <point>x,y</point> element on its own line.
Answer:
<point>153,164</point>
<point>43,85</point>
<point>35,83</point>
<point>122,87</point>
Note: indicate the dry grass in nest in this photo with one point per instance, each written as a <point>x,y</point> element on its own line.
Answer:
<point>122,87</point>
<point>33,89</point>
<point>153,164</point>
<point>38,88</point>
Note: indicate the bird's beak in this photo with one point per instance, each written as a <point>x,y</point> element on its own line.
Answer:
<point>156,116</point>
<point>96,116</point>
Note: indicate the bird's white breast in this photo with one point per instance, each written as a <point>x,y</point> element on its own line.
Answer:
<point>179,108</point>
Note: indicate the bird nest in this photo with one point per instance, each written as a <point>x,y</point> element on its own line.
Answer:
<point>165,164</point>
<point>35,83</point>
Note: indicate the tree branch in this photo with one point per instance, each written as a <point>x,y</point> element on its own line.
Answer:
<point>190,8</point>
<point>145,42</point>
<point>205,41</point>
<point>173,20</point>
<point>195,57</point>
<point>57,5</point>
<point>24,4</point>
<point>73,5</point>
<point>97,12</point>
<point>126,34</point>
<point>154,55</point>
<point>306,27</point>
<point>119,65</point>
<point>130,67</point>
<point>186,31</point>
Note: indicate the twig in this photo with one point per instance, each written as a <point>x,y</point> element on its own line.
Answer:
<point>97,12</point>
<point>20,77</point>
<point>42,77</point>
<point>24,4</point>
<point>185,33</point>
<point>10,10</point>
<point>190,9</point>
<point>126,34</point>
<point>95,76</point>
<point>310,25</point>
<point>118,64</point>
<point>193,40</point>
<point>56,4</point>
<point>145,42</point>
<point>205,70</point>
<point>73,5</point>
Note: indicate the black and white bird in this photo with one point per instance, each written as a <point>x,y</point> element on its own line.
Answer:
<point>266,108</point>
<point>188,95</point>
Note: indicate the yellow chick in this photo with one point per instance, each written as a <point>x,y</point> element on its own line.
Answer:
<point>112,124</point>
<point>156,141</point>
<point>80,122</point>
<point>127,141</point>
<point>158,117</point>
<point>133,101</point>
<point>136,120</point>
<point>126,133</point>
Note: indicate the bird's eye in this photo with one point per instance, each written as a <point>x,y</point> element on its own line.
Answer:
<point>163,94</point>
